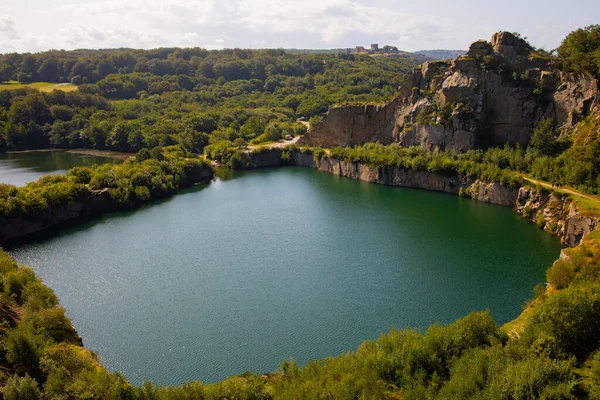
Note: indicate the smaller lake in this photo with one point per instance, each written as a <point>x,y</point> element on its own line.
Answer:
<point>23,167</point>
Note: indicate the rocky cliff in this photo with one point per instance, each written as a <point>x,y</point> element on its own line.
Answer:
<point>352,125</point>
<point>494,94</point>
<point>557,214</point>
<point>495,193</point>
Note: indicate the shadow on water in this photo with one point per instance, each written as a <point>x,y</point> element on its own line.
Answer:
<point>83,224</point>
<point>45,161</point>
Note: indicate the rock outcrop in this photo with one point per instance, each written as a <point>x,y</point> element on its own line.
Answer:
<point>494,94</point>
<point>351,125</point>
<point>555,214</point>
<point>494,193</point>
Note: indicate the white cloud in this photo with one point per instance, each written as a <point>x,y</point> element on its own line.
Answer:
<point>43,24</point>
<point>210,23</point>
<point>7,29</point>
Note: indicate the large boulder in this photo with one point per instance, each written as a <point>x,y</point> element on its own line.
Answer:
<point>480,48</point>
<point>510,46</point>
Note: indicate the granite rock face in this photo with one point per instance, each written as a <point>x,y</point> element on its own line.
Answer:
<point>495,94</point>
<point>495,193</point>
<point>351,125</point>
<point>558,215</point>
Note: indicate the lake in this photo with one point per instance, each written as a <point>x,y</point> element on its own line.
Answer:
<point>20,168</point>
<point>245,272</point>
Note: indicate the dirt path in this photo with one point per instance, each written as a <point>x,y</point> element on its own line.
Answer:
<point>281,143</point>
<point>102,153</point>
<point>560,188</point>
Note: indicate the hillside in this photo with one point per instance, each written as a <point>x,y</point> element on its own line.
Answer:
<point>132,99</point>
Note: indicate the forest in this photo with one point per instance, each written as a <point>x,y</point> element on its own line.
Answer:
<point>132,99</point>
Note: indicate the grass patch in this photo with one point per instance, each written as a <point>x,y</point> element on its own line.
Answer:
<point>515,328</point>
<point>586,206</point>
<point>41,86</point>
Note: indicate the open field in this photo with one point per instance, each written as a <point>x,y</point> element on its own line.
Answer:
<point>42,86</point>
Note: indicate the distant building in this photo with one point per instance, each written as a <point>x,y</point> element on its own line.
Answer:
<point>374,49</point>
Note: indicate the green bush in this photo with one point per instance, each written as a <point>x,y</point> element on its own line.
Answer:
<point>572,317</point>
<point>21,388</point>
<point>593,382</point>
<point>561,274</point>
<point>23,350</point>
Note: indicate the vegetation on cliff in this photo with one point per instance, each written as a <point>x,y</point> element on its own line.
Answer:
<point>152,174</point>
<point>572,159</point>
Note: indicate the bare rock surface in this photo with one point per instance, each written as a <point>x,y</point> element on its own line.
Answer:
<point>494,94</point>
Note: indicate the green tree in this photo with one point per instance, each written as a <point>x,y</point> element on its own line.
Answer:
<point>580,51</point>
<point>21,388</point>
<point>543,137</point>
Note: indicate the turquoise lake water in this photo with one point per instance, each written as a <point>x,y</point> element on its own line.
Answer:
<point>245,272</point>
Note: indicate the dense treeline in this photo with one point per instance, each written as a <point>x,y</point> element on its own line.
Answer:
<point>91,66</point>
<point>192,97</point>
<point>555,356</point>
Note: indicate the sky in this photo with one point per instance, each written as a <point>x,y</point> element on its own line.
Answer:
<point>39,25</point>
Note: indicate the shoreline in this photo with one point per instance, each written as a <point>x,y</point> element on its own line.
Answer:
<point>513,327</point>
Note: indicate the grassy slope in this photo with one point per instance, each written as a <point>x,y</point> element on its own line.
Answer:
<point>583,133</point>
<point>588,129</point>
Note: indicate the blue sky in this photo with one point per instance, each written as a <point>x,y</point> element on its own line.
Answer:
<point>37,25</point>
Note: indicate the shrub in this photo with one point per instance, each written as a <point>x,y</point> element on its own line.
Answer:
<point>23,351</point>
<point>21,388</point>
<point>142,193</point>
<point>572,317</point>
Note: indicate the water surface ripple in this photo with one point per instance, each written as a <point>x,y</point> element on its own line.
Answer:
<point>243,273</point>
